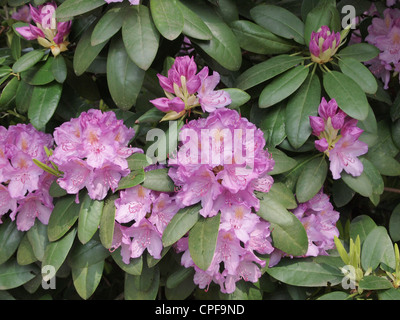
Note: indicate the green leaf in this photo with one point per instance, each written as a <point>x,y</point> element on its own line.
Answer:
<point>303,104</point>
<point>203,241</point>
<point>361,226</point>
<point>59,69</point>
<point>223,47</point>
<point>283,86</point>
<point>107,222</point>
<point>347,93</point>
<point>56,252</point>
<point>319,16</point>
<point>72,8</point>
<point>85,53</point>
<point>167,17</point>
<point>273,125</point>
<point>288,233</point>
<point>266,70</point>
<point>283,163</point>
<point>361,184</point>
<point>28,60</point>
<point>39,74</point>
<point>140,36</point>
<point>391,294</point>
<point>177,277</point>
<point>124,77</point>
<point>336,295</point>
<point>359,51</point>
<point>138,161</point>
<point>374,283</point>
<point>394,224</point>
<point>180,224</point>
<point>37,236</point>
<point>306,273</point>
<point>341,193</point>
<point>134,267</point>
<point>108,25</point>
<point>144,286</point>
<point>8,94</point>
<point>133,179</point>
<point>10,238</point>
<point>238,97</point>
<point>377,248</point>
<point>282,194</point>
<point>25,254</point>
<point>158,180</point>
<point>63,217</point>
<point>279,21</point>
<point>90,253</point>
<point>256,39</point>
<point>89,218</point>
<point>87,279</point>
<point>44,103</point>
<point>359,73</point>
<point>12,275</point>
<point>311,179</point>
<point>193,26</point>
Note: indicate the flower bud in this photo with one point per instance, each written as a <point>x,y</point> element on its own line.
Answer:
<point>323,45</point>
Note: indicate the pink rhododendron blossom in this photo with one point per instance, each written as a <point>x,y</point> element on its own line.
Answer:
<point>186,89</point>
<point>384,33</point>
<point>48,32</point>
<point>319,220</point>
<point>23,14</point>
<point>338,136</point>
<point>24,187</point>
<point>91,152</point>
<point>221,156</point>
<point>324,44</point>
<point>144,214</point>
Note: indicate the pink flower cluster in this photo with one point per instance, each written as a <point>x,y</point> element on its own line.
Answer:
<point>384,33</point>
<point>338,138</point>
<point>185,89</point>
<point>24,187</point>
<point>319,219</point>
<point>49,33</point>
<point>324,44</point>
<point>91,151</point>
<point>147,213</point>
<point>225,184</point>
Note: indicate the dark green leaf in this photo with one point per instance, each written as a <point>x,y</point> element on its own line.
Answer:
<point>167,17</point>
<point>107,222</point>
<point>359,51</point>
<point>311,179</point>
<point>394,224</point>
<point>359,73</point>
<point>37,236</point>
<point>203,241</point>
<point>71,8</point>
<point>361,226</point>
<point>87,279</point>
<point>89,218</point>
<point>134,267</point>
<point>10,238</point>
<point>8,94</point>
<point>59,69</point>
<point>39,74</point>
<point>158,180</point>
<point>133,179</point>
<point>140,36</point>
<point>108,25</point>
<point>374,283</point>
<point>13,275</point>
<point>28,60</point>
<point>25,254</point>
<point>144,286</point>
<point>193,25</point>
<point>124,77</point>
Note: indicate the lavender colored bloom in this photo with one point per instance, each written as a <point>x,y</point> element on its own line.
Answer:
<point>24,187</point>
<point>186,89</point>
<point>91,152</point>
<point>49,33</point>
<point>338,138</point>
<point>324,44</point>
<point>23,14</point>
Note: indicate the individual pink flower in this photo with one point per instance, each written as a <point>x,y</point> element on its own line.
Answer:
<point>22,14</point>
<point>338,136</point>
<point>324,44</point>
<point>91,152</point>
<point>186,89</point>
<point>48,32</point>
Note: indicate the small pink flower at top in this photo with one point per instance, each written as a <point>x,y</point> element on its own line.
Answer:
<point>48,32</point>
<point>338,138</point>
<point>186,89</point>
<point>323,45</point>
<point>23,14</point>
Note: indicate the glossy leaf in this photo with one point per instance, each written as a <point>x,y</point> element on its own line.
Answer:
<point>37,236</point>
<point>283,86</point>
<point>107,222</point>
<point>144,286</point>
<point>8,94</point>
<point>167,17</point>
<point>124,77</point>
<point>87,279</point>
<point>107,26</point>
<point>374,283</point>
<point>40,73</point>
<point>359,73</point>
<point>10,238</point>
<point>59,69</point>
<point>203,241</point>
<point>359,51</point>
<point>140,36</point>
<point>25,254</point>
<point>279,21</point>
<point>71,8</point>
<point>158,180</point>
<point>89,218</point>
<point>12,275</point>
<point>28,60</point>
<point>347,93</point>
<point>194,26</point>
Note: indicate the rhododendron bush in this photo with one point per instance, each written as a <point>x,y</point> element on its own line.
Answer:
<point>199,149</point>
